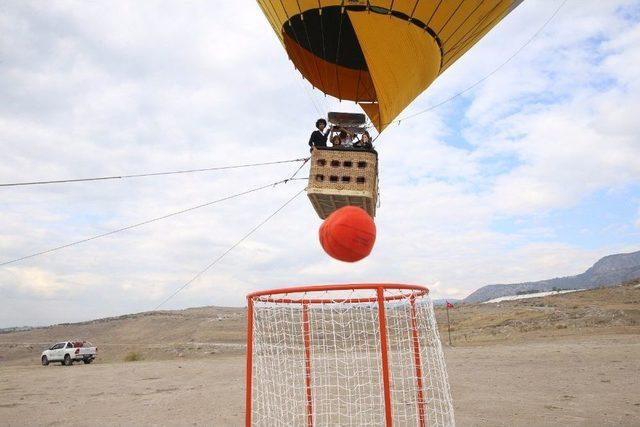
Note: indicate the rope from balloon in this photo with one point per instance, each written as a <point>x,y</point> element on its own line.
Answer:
<point>149,221</point>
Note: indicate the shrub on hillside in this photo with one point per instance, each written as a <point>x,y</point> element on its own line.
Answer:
<point>133,356</point>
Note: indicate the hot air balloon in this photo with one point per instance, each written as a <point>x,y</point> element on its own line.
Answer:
<point>380,54</point>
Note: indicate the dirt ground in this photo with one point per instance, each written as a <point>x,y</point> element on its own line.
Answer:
<point>586,381</point>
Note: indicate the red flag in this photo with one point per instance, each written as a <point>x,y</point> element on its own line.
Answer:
<point>449,305</point>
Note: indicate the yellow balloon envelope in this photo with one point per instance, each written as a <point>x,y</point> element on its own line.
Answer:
<point>379,54</point>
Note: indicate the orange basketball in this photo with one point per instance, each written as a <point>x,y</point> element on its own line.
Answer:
<point>348,234</point>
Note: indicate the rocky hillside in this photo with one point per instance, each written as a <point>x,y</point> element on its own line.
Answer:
<point>608,271</point>
<point>163,334</point>
<point>598,311</point>
<point>218,331</point>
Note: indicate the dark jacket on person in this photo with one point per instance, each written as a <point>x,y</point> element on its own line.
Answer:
<point>364,145</point>
<point>318,139</point>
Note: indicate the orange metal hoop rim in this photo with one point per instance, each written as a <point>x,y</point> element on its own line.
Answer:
<point>280,295</point>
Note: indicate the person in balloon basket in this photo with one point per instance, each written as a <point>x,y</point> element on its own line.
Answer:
<point>319,136</point>
<point>346,139</point>
<point>365,142</point>
<point>335,141</point>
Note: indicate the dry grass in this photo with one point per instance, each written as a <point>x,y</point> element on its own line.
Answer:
<point>133,356</point>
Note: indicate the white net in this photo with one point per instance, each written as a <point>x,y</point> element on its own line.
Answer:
<point>318,360</point>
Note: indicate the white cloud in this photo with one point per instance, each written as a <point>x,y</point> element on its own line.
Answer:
<point>34,282</point>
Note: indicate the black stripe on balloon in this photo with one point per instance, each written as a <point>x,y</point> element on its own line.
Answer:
<point>335,37</point>
<point>328,24</point>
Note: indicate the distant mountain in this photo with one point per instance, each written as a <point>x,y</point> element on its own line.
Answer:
<point>608,271</point>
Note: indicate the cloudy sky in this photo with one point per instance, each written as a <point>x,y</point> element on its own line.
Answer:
<point>535,173</point>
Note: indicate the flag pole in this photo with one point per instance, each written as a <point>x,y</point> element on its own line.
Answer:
<point>449,325</point>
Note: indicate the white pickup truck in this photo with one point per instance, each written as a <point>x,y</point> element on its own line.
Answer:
<point>68,352</point>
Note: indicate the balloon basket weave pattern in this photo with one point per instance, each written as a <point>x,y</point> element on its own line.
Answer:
<point>342,177</point>
<point>347,355</point>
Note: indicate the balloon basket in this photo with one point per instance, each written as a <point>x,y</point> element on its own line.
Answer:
<point>343,177</point>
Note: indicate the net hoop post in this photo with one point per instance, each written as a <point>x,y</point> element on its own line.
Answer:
<point>307,362</point>
<point>249,368</point>
<point>416,360</point>
<point>384,356</point>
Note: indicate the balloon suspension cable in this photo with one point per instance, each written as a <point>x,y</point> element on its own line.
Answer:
<point>495,70</point>
<point>141,175</point>
<point>232,247</point>
<point>149,221</point>
<point>293,177</point>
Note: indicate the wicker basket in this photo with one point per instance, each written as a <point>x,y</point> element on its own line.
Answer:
<point>342,177</point>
